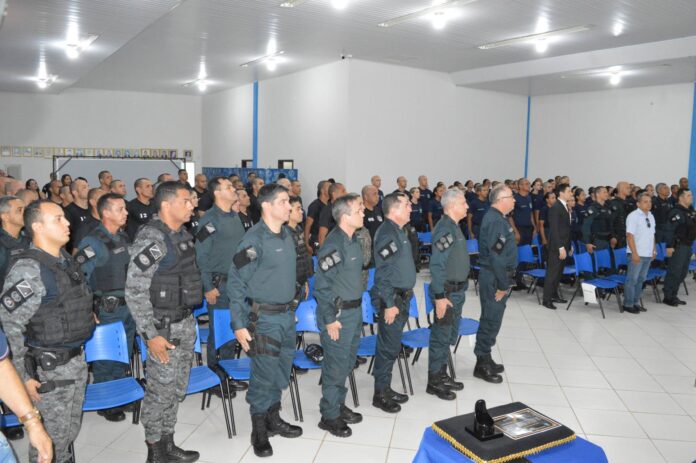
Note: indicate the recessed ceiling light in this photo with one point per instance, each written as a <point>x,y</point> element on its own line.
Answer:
<point>265,59</point>
<point>618,28</point>
<point>292,3</point>
<point>43,78</point>
<point>615,78</point>
<point>339,4</point>
<point>534,38</point>
<point>75,48</point>
<point>431,10</point>
<point>542,45</point>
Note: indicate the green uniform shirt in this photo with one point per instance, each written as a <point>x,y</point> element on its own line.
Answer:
<point>450,259</point>
<point>498,249</point>
<point>394,267</point>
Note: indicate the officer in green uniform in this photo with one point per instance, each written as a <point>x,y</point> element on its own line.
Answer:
<point>620,208</point>
<point>103,255</point>
<point>219,233</point>
<point>498,261</point>
<point>46,312</point>
<point>598,227</point>
<point>12,239</point>
<point>262,288</point>
<point>395,275</point>
<point>338,291</point>
<point>449,269</point>
<point>680,237</point>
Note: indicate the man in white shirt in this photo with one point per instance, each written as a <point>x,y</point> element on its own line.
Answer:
<point>640,238</point>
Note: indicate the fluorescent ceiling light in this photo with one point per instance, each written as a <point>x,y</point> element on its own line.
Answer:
<point>292,3</point>
<point>431,10</point>
<point>264,59</point>
<point>43,78</point>
<point>535,37</point>
<point>74,48</point>
<point>439,20</point>
<point>615,78</point>
<point>541,45</point>
<point>339,4</point>
<point>618,28</point>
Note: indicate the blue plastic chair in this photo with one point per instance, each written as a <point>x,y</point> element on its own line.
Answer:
<point>370,278</point>
<point>108,342</point>
<point>583,263</point>
<point>525,255</point>
<point>8,420</point>
<point>425,237</point>
<point>368,344</point>
<point>203,332</point>
<point>472,246</point>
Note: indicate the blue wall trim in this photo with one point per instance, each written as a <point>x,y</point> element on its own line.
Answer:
<point>692,152</point>
<point>526,144</point>
<point>255,139</point>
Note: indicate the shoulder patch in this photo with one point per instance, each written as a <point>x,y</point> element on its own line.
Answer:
<point>207,230</point>
<point>590,211</point>
<point>499,244</point>
<point>329,261</point>
<point>675,217</point>
<point>244,257</point>
<point>389,250</point>
<point>14,297</point>
<point>148,257</point>
<point>444,242</point>
<point>85,254</point>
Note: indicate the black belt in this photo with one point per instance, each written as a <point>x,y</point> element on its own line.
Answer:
<point>352,304</point>
<point>272,308</point>
<point>48,359</point>
<point>452,286</point>
<point>108,303</point>
<point>175,316</point>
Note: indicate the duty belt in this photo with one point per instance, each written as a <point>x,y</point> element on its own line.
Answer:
<point>218,279</point>
<point>50,358</point>
<point>108,303</point>
<point>352,304</point>
<point>272,308</point>
<point>175,316</point>
<point>453,286</point>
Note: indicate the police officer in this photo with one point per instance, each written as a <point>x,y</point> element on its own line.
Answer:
<point>243,206</point>
<point>338,292</point>
<point>522,221</point>
<point>434,209</point>
<point>425,194</point>
<point>305,265</point>
<point>92,220</point>
<point>391,294</point>
<point>140,209</point>
<point>163,284</point>
<point>479,207</point>
<point>417,220</point>
<point>263,315</point>
<point>311,226</point>
<point>326,221</point>
<point>681,234</point>
<point>12,237</point>
<point>498,261</point>
<point>46,312</point>
<point>449,269</point>
<point>103,255</point>
<point>620,208</point>
<point>661,206</point>
<point>373,213</point>
<point>598,226</point>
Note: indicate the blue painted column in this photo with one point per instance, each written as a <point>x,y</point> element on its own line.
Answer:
<point>255,140</point>
<point>692,152</point>
<point>526,143</point>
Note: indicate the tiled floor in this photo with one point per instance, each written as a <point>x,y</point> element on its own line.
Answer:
<point>625,383</point>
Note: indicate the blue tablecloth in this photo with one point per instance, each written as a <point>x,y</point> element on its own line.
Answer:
<point>434,449</point>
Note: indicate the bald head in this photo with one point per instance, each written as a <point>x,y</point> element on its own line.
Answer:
<point>370,196</point>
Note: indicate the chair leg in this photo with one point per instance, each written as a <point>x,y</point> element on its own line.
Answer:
<point>601,307</point>
<point>408,373</point>
<point>136,412</point>
<point>203,401</point>
<point>416,355</point>
<point>231,407</point>
<point>299,402</point>
<point>291,388</point>
<point>353,388</point>
<point>225,411</point>
<point>372,363</point>
<point>450,362</point>
<point>456,346</point>
<point>573,296</point>
<point>401,371</point>
<point>209,397</point>
<point>685,289</point>
<point>618,298</point>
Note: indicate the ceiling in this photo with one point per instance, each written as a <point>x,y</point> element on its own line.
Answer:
<point>158,45</point>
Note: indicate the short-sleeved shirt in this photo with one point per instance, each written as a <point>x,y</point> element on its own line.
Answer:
<point>314,211</point>
<point>435,209</point>
<point>4,348</point>
<point>642,227</point>
<point>522,214</point>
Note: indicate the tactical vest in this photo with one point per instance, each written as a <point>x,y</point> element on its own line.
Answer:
<point>111,276</point>
<point>176,286</point>
<point>65,313</point>
<point>304,262</point>
<point>14,247</point>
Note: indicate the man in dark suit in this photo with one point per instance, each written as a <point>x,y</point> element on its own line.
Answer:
<point>559,247</point>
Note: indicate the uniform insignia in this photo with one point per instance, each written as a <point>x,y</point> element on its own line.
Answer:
<point>205,232</point>
<point>119,250</point>
<point>675,218</point>
<point>389,250</point>
<point>16,295</point>
<point>379,219</point>
<point>510,230</point>
<point>499,244</point>
<point>370,219</point>
<point>328,262</point>
<point>444,242</point>
<point>24,289</point>
<point>244,257</point>
<point>148,257</point>
<point>590,211</point>
<point>84,255</point>
<point>183,246</point>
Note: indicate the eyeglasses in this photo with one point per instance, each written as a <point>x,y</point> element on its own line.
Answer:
<point>505,197</point>
<point>647,222</point>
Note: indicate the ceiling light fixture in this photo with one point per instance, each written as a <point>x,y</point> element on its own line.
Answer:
<point>615,79</point>
<point>271,60</point>
<point>439,20</point>
<point>292,3</point>
<point>73,49</point>
<point>534,38</point>
<point>43,78</point>
<point>202,81</point>
<point>541,45</point>
<point>339,4</point>
<point>431,10</point>
<point>618,28</point>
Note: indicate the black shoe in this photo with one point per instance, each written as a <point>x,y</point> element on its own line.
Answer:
<point>112,414</point>
<point>384,402</point>
<point>681,302</point>
<point>14,433</point>
<point>632,310</point>
<point>259,436</point>
<point>640,307</point>
<point>362,360</point>
<point>176,454</point>
<point>437,388</point>
<point>559,300</point>
<point>396,396</point>
<point>349,416</point>
<point>216,392</point>
<point>408,350</point>
<point>238,385</point>
<point>549,305</point>
<point>671,302</point>
<point>337,427</point>
<point>156,452</point>
<point>497,367</point>
<point>448,382</point>
<point>520,287</point>
<point>276,425</point>
<point>484,370</point>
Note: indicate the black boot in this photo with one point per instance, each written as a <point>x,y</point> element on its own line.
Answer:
<point>175,453</point>
<point>497,367</point>
<point>337,427</point>
<point>384,401</point>
<point>112,414</point>
<point>349,416</point>
<point>437,388</point>
<point>396,396</point>
<point>259,436</point>
<point>448,382</point>
<point>156,452</point>
<point>484,370</point>
<point>276,425</point>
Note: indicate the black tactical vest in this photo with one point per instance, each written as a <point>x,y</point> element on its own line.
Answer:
<point>14,247</point>
<point>65,314</point>
<point>176,285</point>
<point>304,262</point>
<point>111,276</point>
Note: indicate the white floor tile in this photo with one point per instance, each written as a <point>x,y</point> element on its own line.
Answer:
<point>609,423</point>
<point>668,427</point>
<point>675,451</point>
<point>537,394</point>
<point>530,375</point>
<point>339,452</point>
<point>626,450</point>
<point>597,399</point>
<point>651,402</point>
<point>581,378</point>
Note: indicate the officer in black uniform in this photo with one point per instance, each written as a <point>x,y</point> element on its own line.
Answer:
<point>660,210</point>
<point>263,315</point>
<point>477,210</point>
<point>326,220</point>
<point>140,209</point>
<point>681,234</point>
<point>498,261</point>
<point>77,211</point>
<point>417,211</point>
<point>449,269</point>
<point>311,226</point>
<point>12,237</point>
<point>391,294</point>
<point>425,194</point>
<point>522,221</point>
<point>598,226</point>
<point>620,208</point>
<point>305,265</point>
<point>373,213</point>
<point>92,220</point>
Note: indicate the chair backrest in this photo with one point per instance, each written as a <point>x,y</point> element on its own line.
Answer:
<point>428,302</point>
<point>222,329</point>
<point>472,246</point>
<point>368,310</point>
<point>525,255</point>
<point>315,263</point>
<point>202,310</point>
<point>310,293</point>
<point>693,247</point>
<point>620,258</point>
<point>370,278</point>
<point>535,240</point>
<point>197,344</point>
<point>425,237</point>
<point>602,259</point>
<point>583,263</point>
<point>580,247</point>
<point>661,251</point>
<point>413,307</point>
<point>306,316</point>
<point>108,342</point>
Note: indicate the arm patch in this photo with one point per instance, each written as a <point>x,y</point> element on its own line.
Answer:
<point>16,296</point>
<point>675,218</point>
<point>444,242</point>
<point>388,251</point>
<point>328,262</point>
<point>85,254</point>
<point>148,257</point>
<point>207,230</point>
<point>499,245</point>
<point>244,257</point>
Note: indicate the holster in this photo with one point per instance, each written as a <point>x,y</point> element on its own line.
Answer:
<point>49,360</point>
<point>218,279</point>
<point>107,303</point>
<point>164,329</point>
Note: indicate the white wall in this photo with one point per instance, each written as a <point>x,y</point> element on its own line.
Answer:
<point>227,123</point>
<point>641,135</point>
<point>99,119</point>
